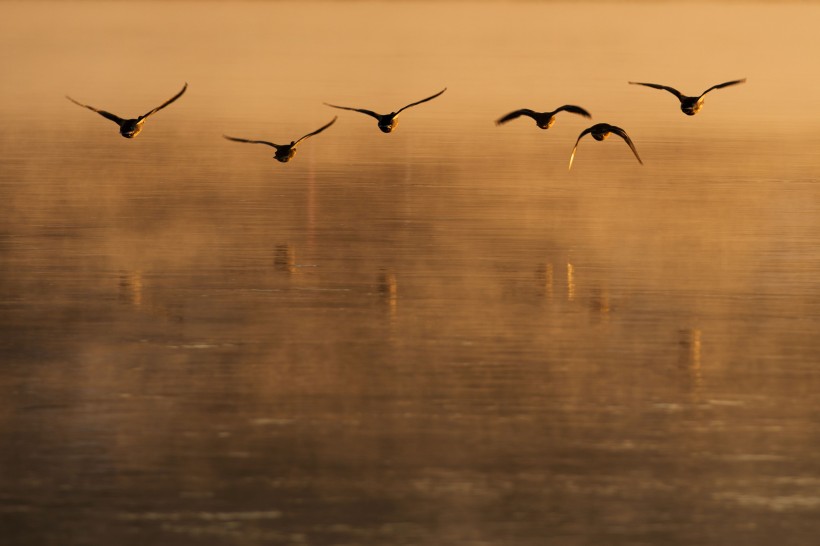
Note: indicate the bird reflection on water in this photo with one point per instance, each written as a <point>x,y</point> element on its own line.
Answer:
<point>689,357</point>
<point>600,304</point>
<point>387,122</point>
<point>130,288</point>
<point>129,128</point>
<point>591,294</point>
<point>388,288</point>
<point>545,278</point>
<point>570,282</point>
<point>284,259</point>
<point>132,293</point>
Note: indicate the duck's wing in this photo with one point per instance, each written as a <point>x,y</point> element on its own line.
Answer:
<point>573,109</point>
<point>420,101</point>
<point>316,132</point>
<point>572,157</point>
<point>621,133</point>
<point>721,85</point>
<point>370,113</point>
<point>516,114</point>
<point>271,144</point>
<point>116,119</point>
<point>664,87</point>
<point>166,103</point>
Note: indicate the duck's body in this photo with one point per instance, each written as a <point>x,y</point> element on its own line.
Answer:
<point>284,152</point>
<point>689,105</point>
<point>543,120</point>
<point>601,131</point>
<point>386,122</point>
<point>130,128</point>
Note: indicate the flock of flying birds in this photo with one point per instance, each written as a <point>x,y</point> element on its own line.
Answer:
<point>690,105</point>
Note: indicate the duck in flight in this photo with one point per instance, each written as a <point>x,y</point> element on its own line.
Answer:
<point>600,132</point>
<point>689,105</point>
<point>284,152</point>
<point>129,128</point>
<point>387,122</point>
<point>544,120</point>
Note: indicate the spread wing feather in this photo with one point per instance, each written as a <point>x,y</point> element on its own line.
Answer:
<point>166,103</point>
<point>108,115</point>
<point>621,133</point>
<point>317,131</point>
<point>514,115</point>
<point>235,139</point>
<point>572,157</point>
<point>422,100</point>
<point>664,87</point>
<point>721,85</point>
<point>370,113</point>
<point>574,110</point>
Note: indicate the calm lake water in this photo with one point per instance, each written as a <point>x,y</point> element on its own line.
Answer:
<point>438,336</point>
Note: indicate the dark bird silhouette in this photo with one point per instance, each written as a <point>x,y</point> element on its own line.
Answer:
<point>284,152</point>
<point>601,131</point>
<point>544,120</point>
<point>387,122</point>
<point>129,128</point>
<point>689,105</point>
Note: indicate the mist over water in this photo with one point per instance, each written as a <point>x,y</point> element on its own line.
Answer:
<point>434,336</point>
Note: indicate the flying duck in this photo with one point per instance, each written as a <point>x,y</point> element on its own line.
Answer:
<point>387,122</point>
<point>601,131</point>
<point>284,152</point>
<point>129,128</point>
<point>544,120</point>
<point>689,105</point>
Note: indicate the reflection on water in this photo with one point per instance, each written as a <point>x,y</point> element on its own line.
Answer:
<point>388,291</point>
<point>284,259</point>
<point>437,336</point>
<point>570,282</point>
<point>131,288</point>
<point>131,292</point>
<point>690,358</point>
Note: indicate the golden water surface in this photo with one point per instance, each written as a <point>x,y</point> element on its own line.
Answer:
<point>438,336</point>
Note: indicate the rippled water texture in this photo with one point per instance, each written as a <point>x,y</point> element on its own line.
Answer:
<point>438,336</point>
